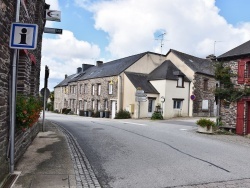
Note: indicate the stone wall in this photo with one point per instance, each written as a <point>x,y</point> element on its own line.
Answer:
<point>28,86</point>
<point>105,96</point>
<point>202,94</point>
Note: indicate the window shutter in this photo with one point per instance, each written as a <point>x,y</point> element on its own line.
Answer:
<point>241,71</point>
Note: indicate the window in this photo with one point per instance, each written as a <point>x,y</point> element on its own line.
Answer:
<point>106,104</point>
<point>98,105</point>
<point>177,103</point>
<point>81,89</point>
<point>110,88</point>
<point>93,90</point>
<point>93,105</point>
<point>180,81</point>
<point>85,89</point>
<point>99,89</point>
<point>150,105</point>
<point>80,105</point>
<point>85,105</point>
<point>205,85</point>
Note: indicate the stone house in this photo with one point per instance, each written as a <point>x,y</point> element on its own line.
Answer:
<point>237,114</point>
<point>28,75</point>
<point>112,86</point>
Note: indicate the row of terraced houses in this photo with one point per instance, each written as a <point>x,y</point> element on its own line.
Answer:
<point>181,85</point>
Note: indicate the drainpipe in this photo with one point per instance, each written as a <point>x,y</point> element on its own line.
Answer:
<point>189,98</point>
<point>120,96</point>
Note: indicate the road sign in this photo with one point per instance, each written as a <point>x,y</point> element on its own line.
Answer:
<point>53,15</point>
<point>47,92</point>
<point>140,99</point>
<point>23,36</point>
<point>53,30</point>
<point>139,91</point>
<point>141,95</point>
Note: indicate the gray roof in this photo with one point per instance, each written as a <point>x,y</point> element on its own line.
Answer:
<point>140,80</point>
<point>242,50</point>
<point>198,65</point>
<point>111,68</point>
<point>166,71</point>
<point>66,80</point>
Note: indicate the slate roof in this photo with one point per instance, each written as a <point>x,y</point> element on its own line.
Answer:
<point>239,51</point>
<point>141,80</point>
<point>111,68</point>
<point>198,65</point>
<point>166,71</point>
<point>66,81</point>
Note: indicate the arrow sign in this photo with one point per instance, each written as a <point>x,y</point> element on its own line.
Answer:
<point>53,30</point>
<point>53,15</point>
<point>140,99</point>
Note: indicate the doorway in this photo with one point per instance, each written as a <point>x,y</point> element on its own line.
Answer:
<point>113,105</point>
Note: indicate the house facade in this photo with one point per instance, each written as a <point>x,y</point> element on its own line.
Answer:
<point>237,113</point>
<point>28,75</point>
<point>167,84</point>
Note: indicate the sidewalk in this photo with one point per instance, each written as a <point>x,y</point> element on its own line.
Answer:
<point>54,160</point>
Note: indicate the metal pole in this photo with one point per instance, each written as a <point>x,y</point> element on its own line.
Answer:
<point>13,97</point>
<point>139,110</point>
<point>44,105</point>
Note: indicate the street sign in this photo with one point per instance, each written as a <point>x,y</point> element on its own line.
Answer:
<point>53,30</point>
<point>23,36</point>
<point>47,92</point>
<point>53,15</point>
<point>139,91</point>
<point>140,99</point>
<point>141,95</point>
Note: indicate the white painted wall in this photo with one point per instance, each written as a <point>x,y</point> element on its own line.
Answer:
<point>168,89</point>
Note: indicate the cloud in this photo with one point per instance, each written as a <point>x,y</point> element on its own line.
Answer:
<point>191,26</point>
<point>64,54</point>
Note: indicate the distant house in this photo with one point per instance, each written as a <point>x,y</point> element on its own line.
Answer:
<point>237,115</point>
<point>167,84</point>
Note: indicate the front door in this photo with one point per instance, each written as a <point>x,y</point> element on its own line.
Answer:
<point>113,109</point>
<point>151,106</point>
<point>248,118</point>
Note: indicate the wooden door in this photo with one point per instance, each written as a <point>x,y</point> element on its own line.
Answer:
<point>240,118</point>
<point>248,118</point>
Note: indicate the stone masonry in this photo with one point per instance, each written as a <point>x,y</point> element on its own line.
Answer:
<point>28,74</point>
<point>204,94</point>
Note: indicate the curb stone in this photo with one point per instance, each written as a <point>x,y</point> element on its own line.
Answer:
<point>85,176</point>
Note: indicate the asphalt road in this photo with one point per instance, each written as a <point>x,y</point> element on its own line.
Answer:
<point>154,154</point>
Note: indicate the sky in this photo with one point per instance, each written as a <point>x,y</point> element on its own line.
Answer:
<point>111,29</point>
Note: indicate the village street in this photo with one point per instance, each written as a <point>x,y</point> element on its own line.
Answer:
<point>168,153</point>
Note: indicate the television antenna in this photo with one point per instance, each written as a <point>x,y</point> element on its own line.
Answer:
<point>161,38</point>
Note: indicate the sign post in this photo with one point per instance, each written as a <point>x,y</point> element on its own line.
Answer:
<point>140,96</point>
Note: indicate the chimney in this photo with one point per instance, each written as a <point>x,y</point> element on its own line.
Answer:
<point>66,76</point>
<point>86,66</point>
<point>78,70</point>
<point>99,63</point>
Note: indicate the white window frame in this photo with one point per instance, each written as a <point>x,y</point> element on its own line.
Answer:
<point>93,105</point>
<point>99,86</point>
<point>110,85</point>
<point>93,89</point>
<point>177,103</point>
<point>180,81</point>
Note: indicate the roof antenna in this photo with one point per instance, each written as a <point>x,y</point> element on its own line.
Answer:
<point>161,36</point>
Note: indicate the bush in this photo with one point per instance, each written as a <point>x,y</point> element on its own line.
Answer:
<point>157,115</point>
<point>27,111</point>
<point>203,122</point>
<point>122,114</point>
<point>56,111</point>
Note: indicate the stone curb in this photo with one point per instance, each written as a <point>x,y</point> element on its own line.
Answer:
<point>85,176</point>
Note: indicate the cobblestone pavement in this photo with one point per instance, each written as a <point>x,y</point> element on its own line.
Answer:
<point>242,183</point>
<point>85,176</point>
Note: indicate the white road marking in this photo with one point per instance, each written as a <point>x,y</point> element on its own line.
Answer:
<point>183,129</point>
<point>134,123</point>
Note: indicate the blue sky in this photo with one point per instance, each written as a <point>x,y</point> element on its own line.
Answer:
<point>111,29</point>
